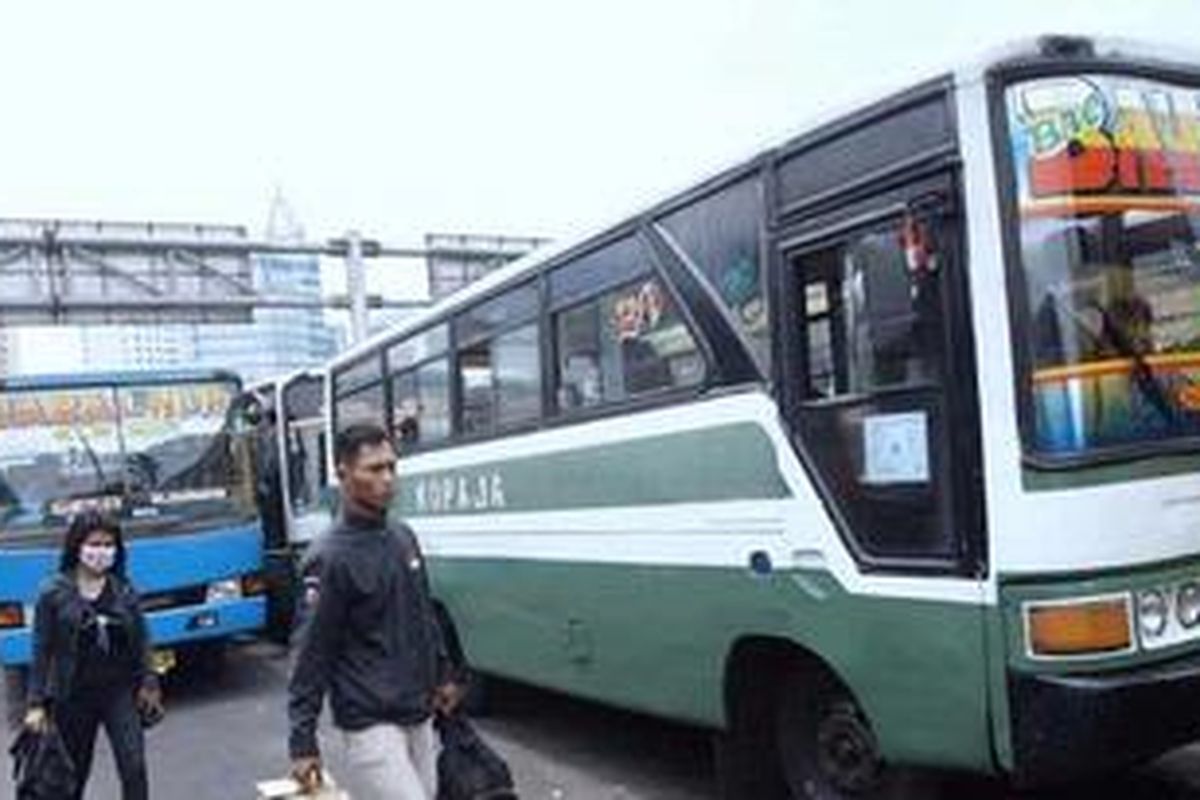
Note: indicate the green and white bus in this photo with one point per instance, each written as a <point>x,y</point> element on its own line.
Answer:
<point>880,447</point>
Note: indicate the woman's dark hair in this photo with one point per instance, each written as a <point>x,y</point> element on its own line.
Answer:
<point>84,523</point>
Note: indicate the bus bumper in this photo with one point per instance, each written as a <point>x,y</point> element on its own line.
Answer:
<point>1067,726</point>
<point>167,628</point>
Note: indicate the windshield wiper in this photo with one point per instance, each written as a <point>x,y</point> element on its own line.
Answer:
<point>1143,374</point>
<point>101,480</point>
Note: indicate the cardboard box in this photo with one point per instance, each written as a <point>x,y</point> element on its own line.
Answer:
<point>288,789</point>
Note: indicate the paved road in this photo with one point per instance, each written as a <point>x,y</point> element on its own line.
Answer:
<point>227,731</point>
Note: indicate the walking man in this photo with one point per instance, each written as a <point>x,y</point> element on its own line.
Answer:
<point>372,640</point>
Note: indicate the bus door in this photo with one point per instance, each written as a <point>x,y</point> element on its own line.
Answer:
<point>305,510</point>
<point>880,398</point>
<point>263,413</point>
<point>879,378</point>
<point>306,485</point>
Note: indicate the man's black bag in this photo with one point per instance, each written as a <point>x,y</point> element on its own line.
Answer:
<point>467,768</point>
<point>42,767</point>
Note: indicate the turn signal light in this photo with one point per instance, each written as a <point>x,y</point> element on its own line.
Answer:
<point>12,615</point>
<point>1080,628</point>
<point>253,584</point>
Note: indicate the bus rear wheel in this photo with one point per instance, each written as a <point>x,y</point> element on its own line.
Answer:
<point>826,747</point>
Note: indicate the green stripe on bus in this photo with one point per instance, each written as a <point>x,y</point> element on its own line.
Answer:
<point>657,639</point>
<point>728,462</point>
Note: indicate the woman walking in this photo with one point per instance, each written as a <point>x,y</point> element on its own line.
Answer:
<point>91,664</point>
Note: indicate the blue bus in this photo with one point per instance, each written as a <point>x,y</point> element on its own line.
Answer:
<point>166,451</point>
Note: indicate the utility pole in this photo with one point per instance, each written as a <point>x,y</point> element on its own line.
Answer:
<point>356,286</point>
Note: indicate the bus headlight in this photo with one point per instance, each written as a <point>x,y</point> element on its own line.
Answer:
<point>1187,604</point>
<point>1078,627</point>
<point>1152,612</point>
<point>228,589</point>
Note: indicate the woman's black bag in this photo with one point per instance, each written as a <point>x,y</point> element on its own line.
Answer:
<point>467,768</point>
<point>42,767</point>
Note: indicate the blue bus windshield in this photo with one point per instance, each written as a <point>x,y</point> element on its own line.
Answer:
<point>118,446</point>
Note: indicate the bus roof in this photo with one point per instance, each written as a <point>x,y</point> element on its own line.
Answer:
<point>1104,48</point>
<point>83,380</point>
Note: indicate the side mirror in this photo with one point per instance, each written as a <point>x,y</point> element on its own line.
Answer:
<point>247,412</point>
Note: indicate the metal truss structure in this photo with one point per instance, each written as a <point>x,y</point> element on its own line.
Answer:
<point>72,272</point>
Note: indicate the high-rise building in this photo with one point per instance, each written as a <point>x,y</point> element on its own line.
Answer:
<point>274,341</point>
<point>279,340</point>
<point>137,347</point>
<point>6,353</point>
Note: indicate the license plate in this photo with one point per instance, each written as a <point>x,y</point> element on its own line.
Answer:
<point>204,620</point>
<point>162,661</point>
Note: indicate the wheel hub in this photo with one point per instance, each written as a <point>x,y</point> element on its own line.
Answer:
<point>846,751</point>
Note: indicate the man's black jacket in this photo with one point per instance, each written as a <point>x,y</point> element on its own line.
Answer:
<point>372,640</point>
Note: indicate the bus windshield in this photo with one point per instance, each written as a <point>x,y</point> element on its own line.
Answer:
<point>122,447</point>
<point>1107,171</point>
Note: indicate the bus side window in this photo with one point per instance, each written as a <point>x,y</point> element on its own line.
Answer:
<point>873,413</point>
<point>358,392</point>
<point>501,381</point>
<point>297,466</point>
<point>720,233</point>
<point>363,405</point>
<point>498,363</point>
<point>627,342</point>
<point>420,379</point>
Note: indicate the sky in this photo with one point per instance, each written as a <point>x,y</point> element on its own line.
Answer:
<point>522,117</point>
<point>528,117</point>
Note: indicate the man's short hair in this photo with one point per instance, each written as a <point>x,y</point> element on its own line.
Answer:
<point>350,440</point>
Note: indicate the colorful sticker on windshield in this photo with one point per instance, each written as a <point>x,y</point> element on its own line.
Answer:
<point>1104,135</point>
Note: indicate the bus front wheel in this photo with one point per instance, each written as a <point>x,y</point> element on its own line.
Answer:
<point>16,683</point>
<point>825,744</point>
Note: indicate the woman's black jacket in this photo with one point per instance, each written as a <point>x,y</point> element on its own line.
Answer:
<point>57,623</point>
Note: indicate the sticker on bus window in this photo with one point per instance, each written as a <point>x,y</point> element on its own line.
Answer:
<point>895,448</point>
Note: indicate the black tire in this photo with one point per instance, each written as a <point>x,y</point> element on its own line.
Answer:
<point>746,768</point>
<point>208,660</point>
<point>283,591</point>
<point>825,745</point>
<point>16,687</point>
<point>747,761</point>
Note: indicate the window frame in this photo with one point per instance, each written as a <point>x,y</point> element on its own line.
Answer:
<point>553,414</point>
<point>457,346</point>
<point>337,394</point>
<point>1072,469</point>
<point>935,192</point>
<point>838,336</point>
<point>550,418</point>
<point>630,399</point>
<point>447,353</point>
<point>757,173</point>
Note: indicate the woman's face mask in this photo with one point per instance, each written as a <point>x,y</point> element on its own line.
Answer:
<point>98,557</point>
